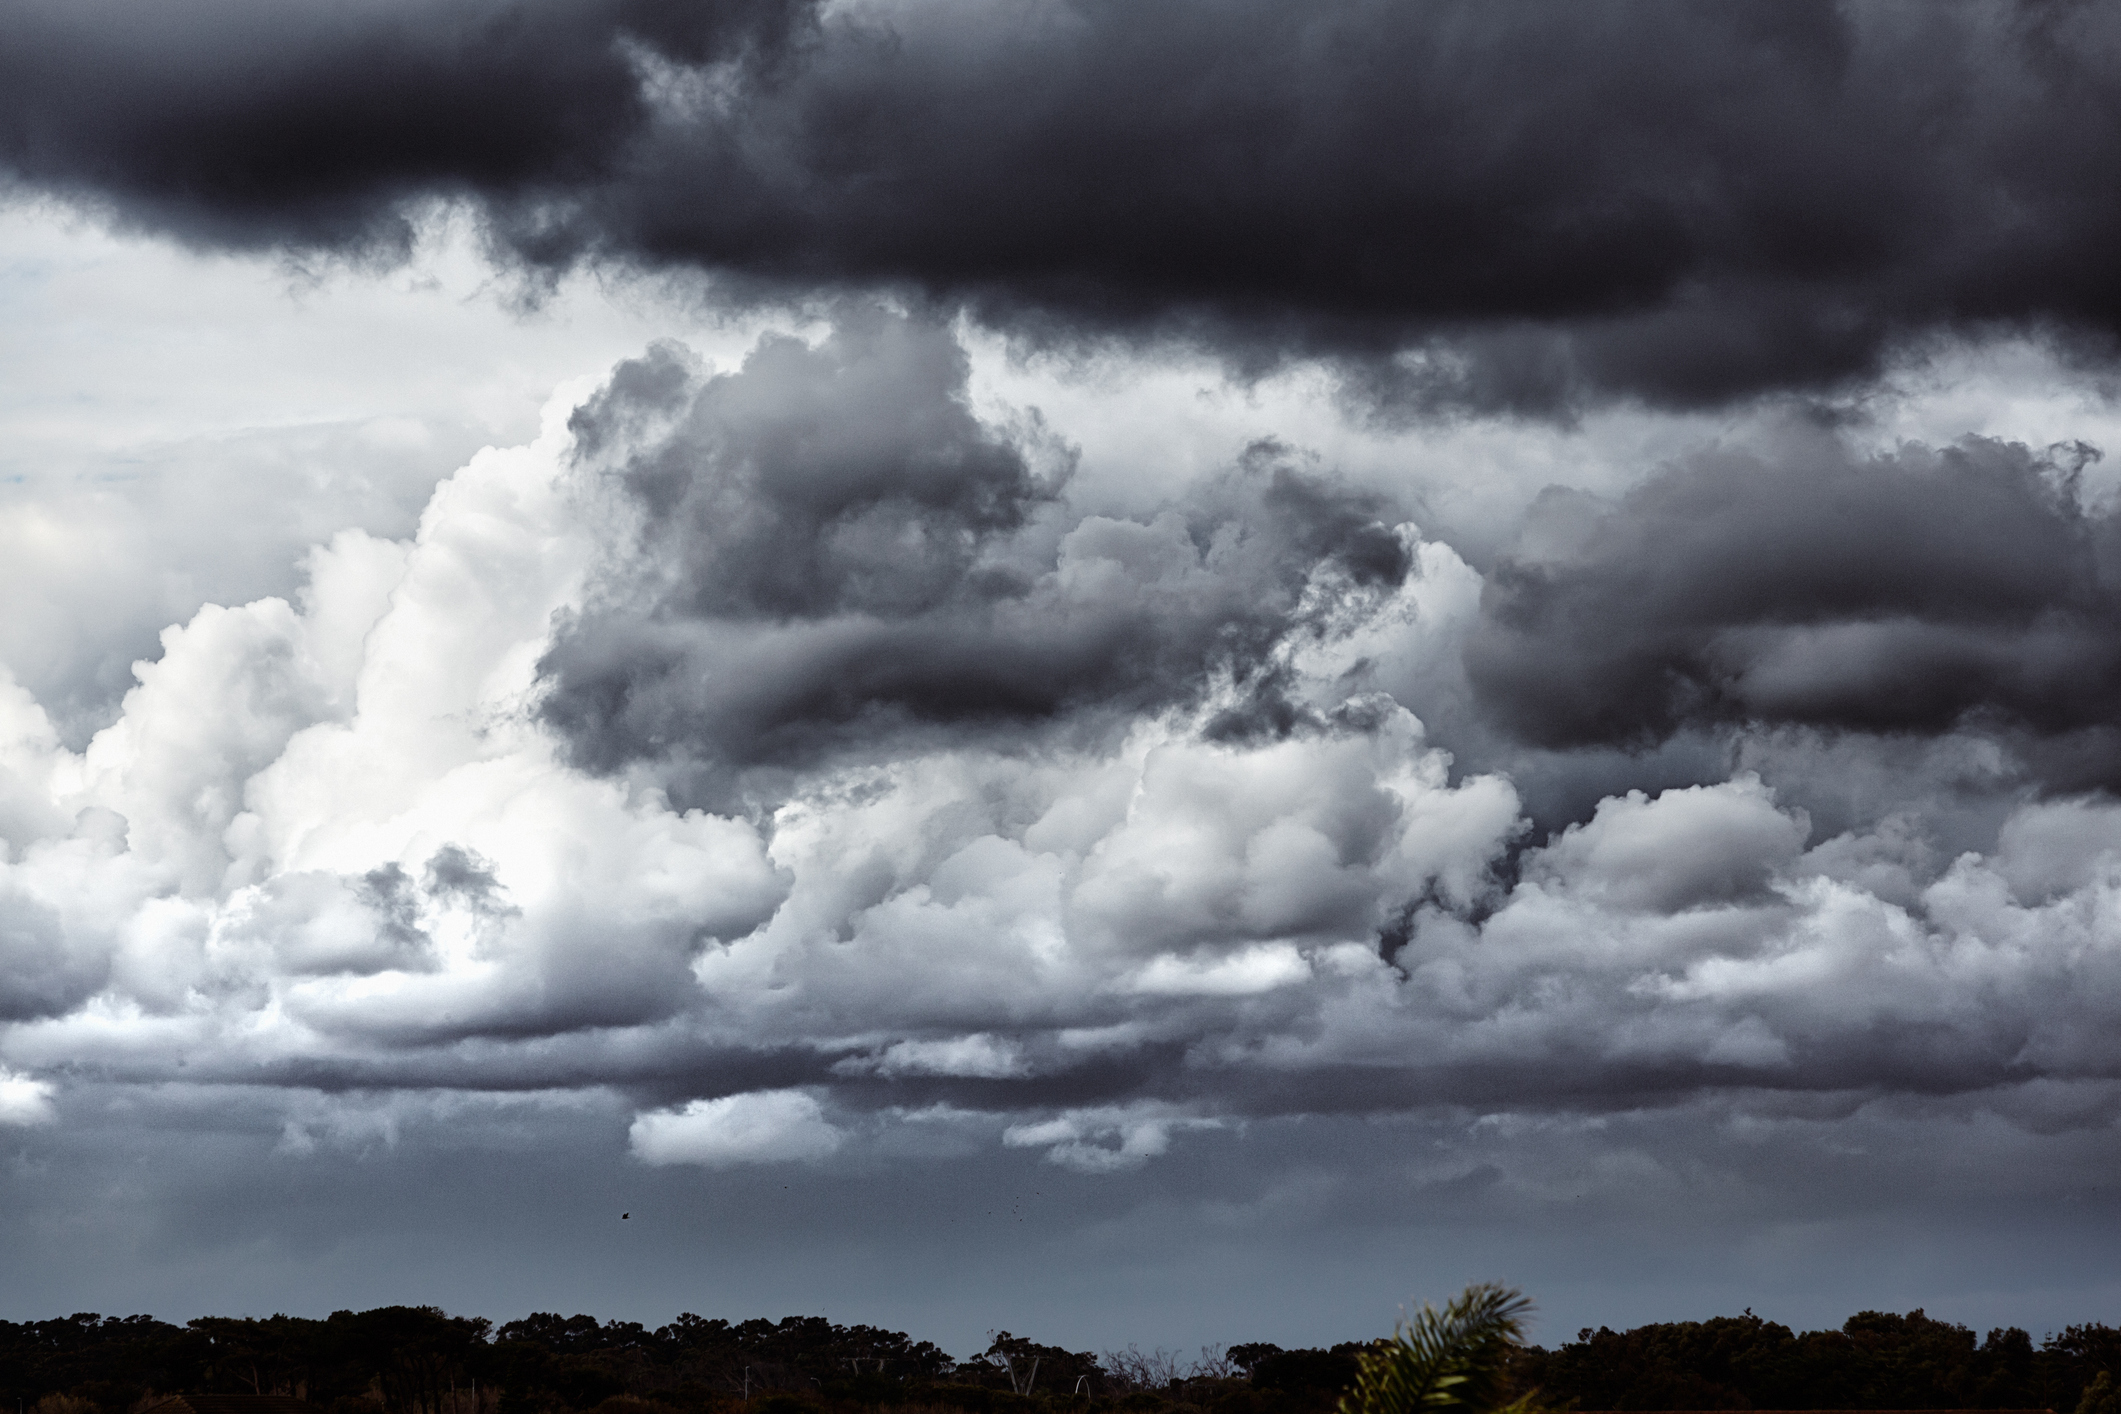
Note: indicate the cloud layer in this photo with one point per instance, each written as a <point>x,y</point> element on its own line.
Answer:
<point>784,750</point>
<point>1489,205</point>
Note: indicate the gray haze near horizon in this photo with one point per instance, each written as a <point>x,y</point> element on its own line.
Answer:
<point>1296,1232</point>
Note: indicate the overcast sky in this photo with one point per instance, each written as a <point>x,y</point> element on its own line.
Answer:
<point>1140,672</point>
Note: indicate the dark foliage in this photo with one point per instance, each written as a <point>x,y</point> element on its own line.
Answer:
<point>1877,1360</point>
<point>109,1360</point>
<point>409,1359</point>
<point>1311,1375</point>
<point>1028,1367</point>
<point>419,1360</point>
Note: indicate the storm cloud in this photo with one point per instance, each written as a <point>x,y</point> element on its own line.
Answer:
<point>833,551</point>
<point>1470,205</point>
<point>317,128</point>
<point>1913,593</point>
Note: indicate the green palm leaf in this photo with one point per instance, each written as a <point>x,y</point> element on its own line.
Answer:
<point>1456,1358</point>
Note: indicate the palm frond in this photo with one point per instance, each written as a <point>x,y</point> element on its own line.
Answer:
<point>1453,1358</point>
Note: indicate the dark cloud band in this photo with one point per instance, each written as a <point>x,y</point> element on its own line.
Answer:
<point>1502,205</point>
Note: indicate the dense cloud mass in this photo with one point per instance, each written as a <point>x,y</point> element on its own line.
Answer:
<point>258,125</point>
<point>832,550</point>
<point>1910,593</point>
<point>1489,205</point>
<point>784,747</point>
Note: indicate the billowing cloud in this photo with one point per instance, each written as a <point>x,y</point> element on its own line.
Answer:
<point>1686,941</point>
<point>784,754</point>
<point>1497,205</point>
<point>832,553</point>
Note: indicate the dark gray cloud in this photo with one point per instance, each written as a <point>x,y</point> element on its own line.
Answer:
<point>1503,205</point>
<point>1911,593</point>
<point>832,551</point>
<point>250,124</point>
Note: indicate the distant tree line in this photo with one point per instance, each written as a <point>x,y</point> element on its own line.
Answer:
<point>1877,1360</point>
<point>420,1360</point>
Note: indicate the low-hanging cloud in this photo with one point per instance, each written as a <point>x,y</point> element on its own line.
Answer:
<point>1500,205</point>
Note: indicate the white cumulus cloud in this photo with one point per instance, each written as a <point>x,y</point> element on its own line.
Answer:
<point>763,1127</point>
<point>24,1100</point>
